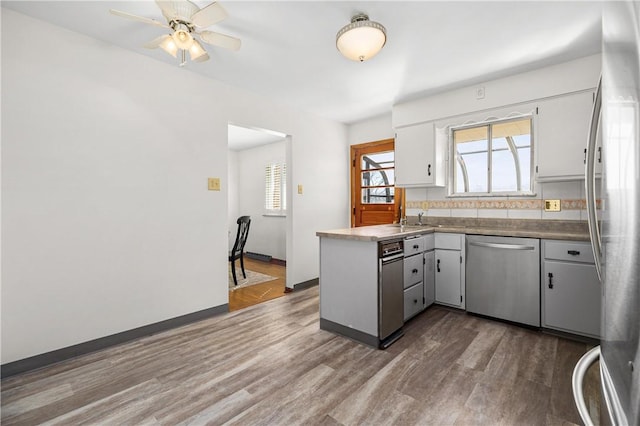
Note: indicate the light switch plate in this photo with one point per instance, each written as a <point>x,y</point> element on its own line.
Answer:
<point>551,205</point>
<point>214,184</point>
<point>300,189</point>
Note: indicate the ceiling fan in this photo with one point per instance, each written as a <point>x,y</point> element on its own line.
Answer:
<point>186,20</point>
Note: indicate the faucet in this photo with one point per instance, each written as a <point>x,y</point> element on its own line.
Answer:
<point>420,218</point>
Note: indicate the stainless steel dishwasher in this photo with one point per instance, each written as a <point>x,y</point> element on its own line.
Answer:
<point>503,278</point>
<point>390,292</point>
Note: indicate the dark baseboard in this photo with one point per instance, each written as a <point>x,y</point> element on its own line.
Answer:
<point>278,262</point>
<point>306,284</point>
<point>350,333</point>
<point>43,360</point>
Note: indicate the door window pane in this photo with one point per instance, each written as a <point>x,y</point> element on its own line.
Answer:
<point>377,178</point>
<point>378,195</point>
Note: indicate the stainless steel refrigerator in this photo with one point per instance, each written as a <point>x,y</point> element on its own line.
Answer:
<point>617,243</point>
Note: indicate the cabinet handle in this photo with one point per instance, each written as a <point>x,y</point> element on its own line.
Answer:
<point>599,154</point>
<point>416,247</point>
<point>415,271</point>
<point>585,156</point>
<point>415,301</point>
<point>429,169</point>
<point>438,265</point>
<point>573,252</point>
<point>550,280</point>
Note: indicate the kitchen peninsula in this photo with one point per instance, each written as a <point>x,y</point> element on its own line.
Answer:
<point>355,297</point>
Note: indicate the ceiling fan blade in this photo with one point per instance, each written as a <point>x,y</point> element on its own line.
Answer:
<point>222,40</point>
<point>209,15</point>
<point>156,42</point>
<point>138,18</point>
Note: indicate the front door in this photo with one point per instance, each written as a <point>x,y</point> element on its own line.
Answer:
<point>375,199</point>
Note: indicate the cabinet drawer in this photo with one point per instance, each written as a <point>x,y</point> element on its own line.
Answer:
<point>413,301</point>
<point>414,245</point>
<point>413,270</point>
<point>571,251</point>
<point>448,241</point>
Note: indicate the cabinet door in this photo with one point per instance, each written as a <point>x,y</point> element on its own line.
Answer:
<point>415,156</point>
<point>563,127</point>
<point>448,278</point>
<point>572,301</point>
<point>429,278</point>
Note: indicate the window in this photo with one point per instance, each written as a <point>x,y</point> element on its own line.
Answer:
<point>275,184</point>
<point>377,178</point>
<point>492,158</point>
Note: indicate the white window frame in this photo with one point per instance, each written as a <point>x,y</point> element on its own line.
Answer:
<point>452,159</point>
<point>282,168</point>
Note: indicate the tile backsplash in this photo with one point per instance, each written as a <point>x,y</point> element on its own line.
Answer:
<point>434,202</point>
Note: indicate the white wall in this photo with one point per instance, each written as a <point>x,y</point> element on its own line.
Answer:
<point>107,222</point>
<point>267,234</point>
<point>232,190</point>
<point>371,130</point>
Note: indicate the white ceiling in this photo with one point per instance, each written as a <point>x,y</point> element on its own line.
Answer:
<point>241,138</point>
<point>288,48</point>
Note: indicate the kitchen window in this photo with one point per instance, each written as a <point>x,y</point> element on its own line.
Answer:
<point>275,193</point>
<point>492,158</point>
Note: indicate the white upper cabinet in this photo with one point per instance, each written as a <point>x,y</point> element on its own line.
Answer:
<point>561,140</point>
<point>419,156</point>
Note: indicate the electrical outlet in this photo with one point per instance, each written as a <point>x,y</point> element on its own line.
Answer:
<point>214,184</point>
<point>551,205</point>
<point>480,92</point>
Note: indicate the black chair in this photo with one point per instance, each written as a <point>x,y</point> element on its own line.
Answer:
<point>238,246</point>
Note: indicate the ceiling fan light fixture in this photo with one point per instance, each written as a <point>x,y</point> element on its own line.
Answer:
<point>362,39</point>
<point>197,52</point>
<point>183,39</point>
<point>169,46</point>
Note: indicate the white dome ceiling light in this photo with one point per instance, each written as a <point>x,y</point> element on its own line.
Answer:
<point>362,39</point>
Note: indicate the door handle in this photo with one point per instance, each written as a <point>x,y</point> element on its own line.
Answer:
<point>438,265</point>
<point>550,280</point>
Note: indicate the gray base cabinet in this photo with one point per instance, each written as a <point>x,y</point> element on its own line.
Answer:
<point>429,278</point>
<point>419,286</point>
<point>570,288</point>
<point>450,272</point>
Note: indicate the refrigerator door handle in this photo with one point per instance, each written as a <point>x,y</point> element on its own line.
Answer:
<point>590,180</point>
<point>577,380</point>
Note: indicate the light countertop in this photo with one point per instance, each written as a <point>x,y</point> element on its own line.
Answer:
<point>544,229</point>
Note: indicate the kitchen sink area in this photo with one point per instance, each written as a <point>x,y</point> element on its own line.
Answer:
<point>488,267</point>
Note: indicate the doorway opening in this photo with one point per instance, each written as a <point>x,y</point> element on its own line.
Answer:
<point>374,198</point>
<point>257,164</point>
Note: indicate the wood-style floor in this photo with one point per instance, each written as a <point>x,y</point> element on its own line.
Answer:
<point>270,364</point>
<point>248,296</point>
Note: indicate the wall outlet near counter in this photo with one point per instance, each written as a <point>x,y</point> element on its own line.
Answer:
<point>551,205</point>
